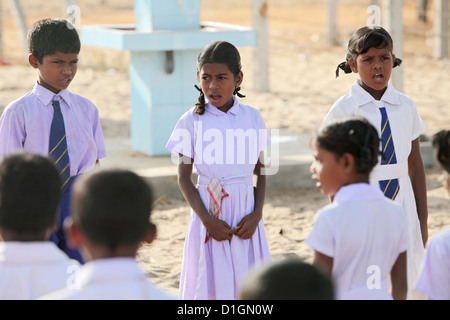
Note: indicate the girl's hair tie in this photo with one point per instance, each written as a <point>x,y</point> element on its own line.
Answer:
<point>397,62</point>
<point>344,66</point>
<point>236,92</point>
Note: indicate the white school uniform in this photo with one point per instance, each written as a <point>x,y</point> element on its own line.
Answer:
<point>215,270</point>
<point>406,126</point>
<point>29,270</point>
<point>110,279</point>
<point>434,278</point>
<point>364,233</point>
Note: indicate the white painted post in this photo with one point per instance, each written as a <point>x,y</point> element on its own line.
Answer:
<point>393,22</point>
<point>332,35</point>
<point>261,51</point>
<point>20,22</point>
<point>440,48</point>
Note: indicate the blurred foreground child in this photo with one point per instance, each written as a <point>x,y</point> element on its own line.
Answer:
<point>111,218</point>
<point>30,265</point>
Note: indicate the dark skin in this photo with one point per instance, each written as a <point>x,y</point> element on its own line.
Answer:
<point>219,229</point>
<point>94,251</point>
<point>27,236</point>
<point>416,169</point>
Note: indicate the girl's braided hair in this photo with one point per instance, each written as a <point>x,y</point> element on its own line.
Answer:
<point>218,52</point>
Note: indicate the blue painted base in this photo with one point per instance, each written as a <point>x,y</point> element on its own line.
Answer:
<point>158,99</point>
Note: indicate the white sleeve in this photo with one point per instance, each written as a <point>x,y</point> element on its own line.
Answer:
<point>321,238</point>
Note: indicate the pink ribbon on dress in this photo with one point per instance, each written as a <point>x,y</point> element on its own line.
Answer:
<point>217,193</point>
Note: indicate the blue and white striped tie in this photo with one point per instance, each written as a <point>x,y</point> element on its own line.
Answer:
<point>58,144</point>
<point>390,187</point>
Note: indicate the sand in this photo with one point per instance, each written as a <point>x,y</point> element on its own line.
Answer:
<point>302,88</point>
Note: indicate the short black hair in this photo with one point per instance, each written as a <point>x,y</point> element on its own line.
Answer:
<point>354,135</point>
<point>288,279</point>
<point>112,207</point>
<point>441,144</point>
<point>49,36</point>
<point>30,193</point>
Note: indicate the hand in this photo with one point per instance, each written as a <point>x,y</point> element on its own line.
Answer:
<point>247,227</point>
<point>218,229</point>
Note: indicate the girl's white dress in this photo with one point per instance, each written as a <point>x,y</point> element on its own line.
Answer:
<point>406,126</point>
<point>224,146</point>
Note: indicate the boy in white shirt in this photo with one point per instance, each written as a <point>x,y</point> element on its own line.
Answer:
<point>30,264</point>
<point>361,237</point>
<point>111,218</point>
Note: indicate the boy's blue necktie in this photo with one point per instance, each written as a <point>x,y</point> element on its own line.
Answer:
<point>391,187</point>
<point>58,144</point>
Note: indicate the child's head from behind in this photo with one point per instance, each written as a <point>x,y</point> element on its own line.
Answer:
<point>441,144</point>
<point>111,211</point>
<point>49,36</point>
<point>219,75</point>
<point>370,53</point>
<point>345,151</point>
<point>30,192</point>
<point>288,279</point>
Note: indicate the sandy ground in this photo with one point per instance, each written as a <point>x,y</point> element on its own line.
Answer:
<point>302,89</point>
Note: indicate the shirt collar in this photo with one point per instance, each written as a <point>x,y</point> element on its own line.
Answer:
<point>30,252</point>
<point>46,96</point>
<point>234,110</point>
<point>109,269</point>
<point>359,192</point>
<point>362,97</point>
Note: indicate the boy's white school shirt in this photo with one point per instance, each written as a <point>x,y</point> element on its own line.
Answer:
<point>364,233</point>
<point>29,270</point>
<point>434,278</point>
<point>25,125</point>
<point>110,279</point>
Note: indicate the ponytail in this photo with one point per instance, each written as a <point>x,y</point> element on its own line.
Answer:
<point>200,105</point>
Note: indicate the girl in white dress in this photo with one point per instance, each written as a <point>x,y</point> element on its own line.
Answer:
<point>434,278</point>
<point>346,235</point>
<point>222,140</point>
<point>370,55</point>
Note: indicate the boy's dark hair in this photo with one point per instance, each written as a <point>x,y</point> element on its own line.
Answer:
<point>288,279</point>
<point>364,39</point>
<point>48,36</point>
<point>30,192</point>
<point>218,52</point>
<point>354,135</point>
<point>112,207</point>
<point>441,144</point>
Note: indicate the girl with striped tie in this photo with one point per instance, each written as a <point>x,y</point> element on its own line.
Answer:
<point>221,139</point>
<point>400,173</point>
